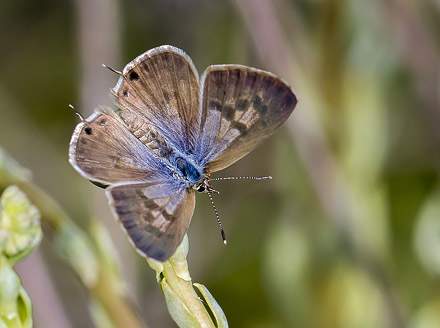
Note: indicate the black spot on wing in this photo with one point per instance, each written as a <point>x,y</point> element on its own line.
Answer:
<point>215,105</point>
<point>228,112</point>
<point>133,76</point>
<point>242,105</point>
<point>259,105</point>
<point>242,128</point>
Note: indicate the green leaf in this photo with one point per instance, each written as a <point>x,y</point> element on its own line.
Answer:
<point>216,310</point>
<point>15,305</point>
<point>177,308</point>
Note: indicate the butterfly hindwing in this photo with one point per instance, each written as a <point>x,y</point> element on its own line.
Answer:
<point>241,107</point>
<point>104,151</point>
<point>155,215</point>
<point>160,88</point>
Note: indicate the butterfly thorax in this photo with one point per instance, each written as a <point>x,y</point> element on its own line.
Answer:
<point>186,169</point>
<point>193,175</point>
<point>182,166</point>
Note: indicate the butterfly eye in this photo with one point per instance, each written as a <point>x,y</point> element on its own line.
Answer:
<point>201,188</point>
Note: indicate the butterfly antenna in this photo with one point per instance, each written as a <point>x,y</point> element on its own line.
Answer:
<point>112,69</point>
<point>218,218</point>
<point>238,178</point>
<point>77,113</point>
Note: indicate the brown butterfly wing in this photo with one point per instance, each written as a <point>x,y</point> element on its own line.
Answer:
<point>155,215</point>
<point>160,88</point>
<point>241,107</point>
<point>153,207</point>
<point>103,150</point>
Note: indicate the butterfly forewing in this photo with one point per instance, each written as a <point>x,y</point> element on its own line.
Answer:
<point>241,107</point>
<point>103,150</point>
<point>155,215</point>
<point>160,88</point>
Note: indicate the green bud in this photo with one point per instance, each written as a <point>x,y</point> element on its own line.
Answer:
<point>184,305</point>
<point>15,305</point>
<point>179,310</point>
<point>216,310</point>
<point>20,230</point>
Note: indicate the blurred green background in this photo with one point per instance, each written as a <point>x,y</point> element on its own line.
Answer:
<point>347,234</point>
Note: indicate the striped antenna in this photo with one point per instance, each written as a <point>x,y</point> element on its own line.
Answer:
<point>77,113</point>
<point>218,219</point>
<point>211,190</point>
<point>238,178</point>
<point>112,69</point>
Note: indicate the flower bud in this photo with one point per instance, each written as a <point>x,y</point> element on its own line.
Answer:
<point>20,230</point>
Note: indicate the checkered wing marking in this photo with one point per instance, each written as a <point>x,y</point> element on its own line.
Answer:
<point>154,215</point>
<point>241,107</point>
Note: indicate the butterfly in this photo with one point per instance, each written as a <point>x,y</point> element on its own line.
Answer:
<point>170,132</point>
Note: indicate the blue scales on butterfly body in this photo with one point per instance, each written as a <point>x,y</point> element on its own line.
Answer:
<point>182,166</point>
<point>188,170</point>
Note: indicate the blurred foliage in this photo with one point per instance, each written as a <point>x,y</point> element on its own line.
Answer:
<point>345,235</point>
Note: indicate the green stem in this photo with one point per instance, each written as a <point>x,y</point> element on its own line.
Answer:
<point>184,305</point>
<point>186,294</point>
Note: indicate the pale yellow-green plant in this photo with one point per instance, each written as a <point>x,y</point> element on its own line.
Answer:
<point>184,306</point>
<point>20,233</point>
